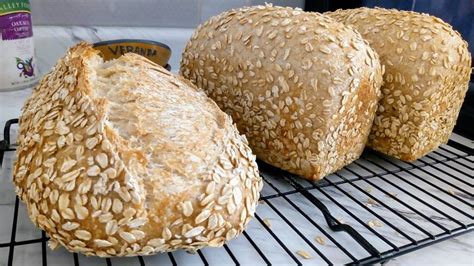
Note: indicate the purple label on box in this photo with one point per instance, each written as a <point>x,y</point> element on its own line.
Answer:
<point>16,26</point>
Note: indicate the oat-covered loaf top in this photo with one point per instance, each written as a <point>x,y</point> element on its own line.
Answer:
<point>124,158</point>
<point>427,74</point>
<point>302,87</point>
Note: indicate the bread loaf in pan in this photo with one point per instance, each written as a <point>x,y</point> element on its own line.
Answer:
<point>427,69</point>
<point>302,87</point>
<point>123,158</point>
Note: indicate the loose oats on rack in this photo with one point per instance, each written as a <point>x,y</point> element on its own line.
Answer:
<point>266,221</point>
<point>320,240</point>
<point>304,254</point>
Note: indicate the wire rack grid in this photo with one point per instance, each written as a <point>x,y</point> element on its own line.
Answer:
<point>371,211</point>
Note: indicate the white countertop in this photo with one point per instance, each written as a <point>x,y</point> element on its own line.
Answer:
<point>51,42</point>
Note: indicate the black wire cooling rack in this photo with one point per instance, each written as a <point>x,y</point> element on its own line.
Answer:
<point>371,211</point>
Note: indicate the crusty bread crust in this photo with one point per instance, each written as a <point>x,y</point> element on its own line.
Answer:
<point>302,87</point>
<point>123,158</point>
<point>427,69</point>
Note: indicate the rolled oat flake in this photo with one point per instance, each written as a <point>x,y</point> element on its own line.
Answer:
<point>17,61</point>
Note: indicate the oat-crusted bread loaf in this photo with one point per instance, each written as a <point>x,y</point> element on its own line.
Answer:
<point>427,68</point>
<point>123,158</point>
<point>302,87</point>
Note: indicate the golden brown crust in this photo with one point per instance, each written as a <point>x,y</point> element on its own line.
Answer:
<point>302,87</point>
<point>104,172</point>
<point>427,69</point>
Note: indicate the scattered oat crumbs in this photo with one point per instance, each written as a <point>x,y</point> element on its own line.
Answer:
<point>341,221</point>
<point>320,240</point>
<point>371,223</point>
<point>375,223</point>
<point>370,202</point>
<point>266,221</point>
<point>368,189</point>
<point>393,194</point>
<point>451,191</point>
<point>304,254</point>
<point>261,202</point>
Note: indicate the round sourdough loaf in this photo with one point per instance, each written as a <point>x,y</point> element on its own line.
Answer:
<point>123,158</point>
<point>302,87</point>
<point>427,73</point>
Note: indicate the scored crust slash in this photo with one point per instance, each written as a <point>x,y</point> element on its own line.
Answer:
<point>110,162</point>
